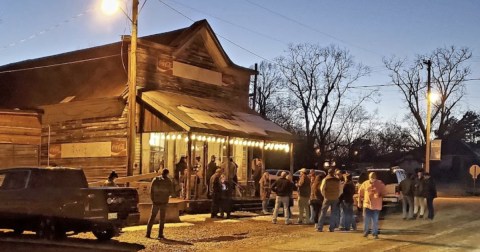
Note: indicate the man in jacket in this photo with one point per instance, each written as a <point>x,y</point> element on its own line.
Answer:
<point>331,189</point>
<point>406,191</point>
<point>371,193</point>
<point>347,203</point>
<point>283,188</point>
<point>215,193</point>
<point>431,194</point>
<point>303,197</point>
<point>160,192</point>
<point>419,195</point>
<point>211,168</point>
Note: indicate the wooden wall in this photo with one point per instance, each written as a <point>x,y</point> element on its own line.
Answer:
<point>155,72</point>
<point>87,132</point>
<point>19,138</point>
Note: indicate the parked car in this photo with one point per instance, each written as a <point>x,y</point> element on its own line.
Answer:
<point>296,175</point>
<point>391,177</point>
<point>275,174</point>
<point>54,201</point>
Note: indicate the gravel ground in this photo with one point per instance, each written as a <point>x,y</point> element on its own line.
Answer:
<point>199,233</point>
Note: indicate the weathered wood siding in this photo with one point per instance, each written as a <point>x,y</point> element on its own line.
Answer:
<point>86,131</point>
<point>155,72</point>
<point>19,138</point>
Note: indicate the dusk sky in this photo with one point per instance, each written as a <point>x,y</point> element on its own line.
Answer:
<point>260,29</point>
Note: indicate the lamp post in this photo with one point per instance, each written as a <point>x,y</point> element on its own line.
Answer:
<point>427,135</point>
<point>109,7</point>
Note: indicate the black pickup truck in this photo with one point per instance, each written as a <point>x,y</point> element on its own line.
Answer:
<point>55,201</point>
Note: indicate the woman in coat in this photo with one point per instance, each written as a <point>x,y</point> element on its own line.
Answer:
<point>265,189</point>
<point>316,198</point>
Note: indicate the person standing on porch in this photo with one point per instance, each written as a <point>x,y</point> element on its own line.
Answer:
<point>257,175</point>
<point>160,192</point>
<point>179,175</point>
<point>211,168</point>
<point>215,193</point>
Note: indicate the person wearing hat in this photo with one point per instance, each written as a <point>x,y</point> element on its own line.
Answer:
<point>215,193</point>
<point>111,179</point>
<point>331,189</point>
<point>160,191</point>
<point>283,188</point>
<point>211,168</point>
<point>304,190</point>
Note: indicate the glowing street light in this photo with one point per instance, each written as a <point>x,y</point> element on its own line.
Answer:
<point>110,7</point>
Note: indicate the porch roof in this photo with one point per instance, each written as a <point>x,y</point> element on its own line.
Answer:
<point>196,114</point>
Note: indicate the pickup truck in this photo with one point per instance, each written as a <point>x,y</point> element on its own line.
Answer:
<point>54,201</point>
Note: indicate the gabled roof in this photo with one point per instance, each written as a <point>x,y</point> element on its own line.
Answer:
<point>90,73</point>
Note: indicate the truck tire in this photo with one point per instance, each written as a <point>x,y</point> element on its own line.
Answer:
<point>104,234</point>
<point>47,228</point>
<point>18,231</point>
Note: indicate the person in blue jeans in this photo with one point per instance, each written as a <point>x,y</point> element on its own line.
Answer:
<point>371,193</point>
<point>346,204</point>
<point>331,189</point>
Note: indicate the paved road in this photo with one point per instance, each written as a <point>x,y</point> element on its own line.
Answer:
<point>455,228</point>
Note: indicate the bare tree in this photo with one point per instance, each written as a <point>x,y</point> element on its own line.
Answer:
<point>448,75</point>
<point>319,79</point>
<point>271,101</point>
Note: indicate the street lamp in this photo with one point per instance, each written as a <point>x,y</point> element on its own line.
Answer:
<point>109,7</point>
<point>427,135</point>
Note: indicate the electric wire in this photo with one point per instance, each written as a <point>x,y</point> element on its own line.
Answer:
<point>46,30</point>
<point>58,64</point>
<point>218,35</point>
<point>311,28</point>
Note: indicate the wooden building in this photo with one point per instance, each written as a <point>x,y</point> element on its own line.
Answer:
<point>192,101</point>
<point>20,134</point>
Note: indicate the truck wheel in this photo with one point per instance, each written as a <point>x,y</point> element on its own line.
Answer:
<point>47,229</point>
<point>18,231</point>
<point>105,234</point>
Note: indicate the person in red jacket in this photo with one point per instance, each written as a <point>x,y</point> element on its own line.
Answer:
<point>371,193</point>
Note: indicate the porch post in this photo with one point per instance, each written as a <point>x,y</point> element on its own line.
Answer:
<point>189,166</point>
<point>291,158</point>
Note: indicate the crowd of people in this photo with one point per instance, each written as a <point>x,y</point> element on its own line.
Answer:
<point>418,192</point>
<point>335,192</point>
<point>316,195</point>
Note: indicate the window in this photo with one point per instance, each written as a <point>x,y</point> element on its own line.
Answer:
<point>13,180</point>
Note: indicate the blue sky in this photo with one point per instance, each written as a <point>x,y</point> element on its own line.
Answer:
<point>260,29</point>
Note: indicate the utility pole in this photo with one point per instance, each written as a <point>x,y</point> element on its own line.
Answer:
<point>132,90</point>
<point>427,135</point>
<point>255,87</point>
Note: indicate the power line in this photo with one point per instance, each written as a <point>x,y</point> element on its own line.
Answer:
<point>311,28</point>
<point>231,23</point>
<point>218,35</point>
<point>42,32</point>
<point>58,64</point>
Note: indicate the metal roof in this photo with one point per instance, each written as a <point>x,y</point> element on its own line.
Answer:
<point>208,115</point>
